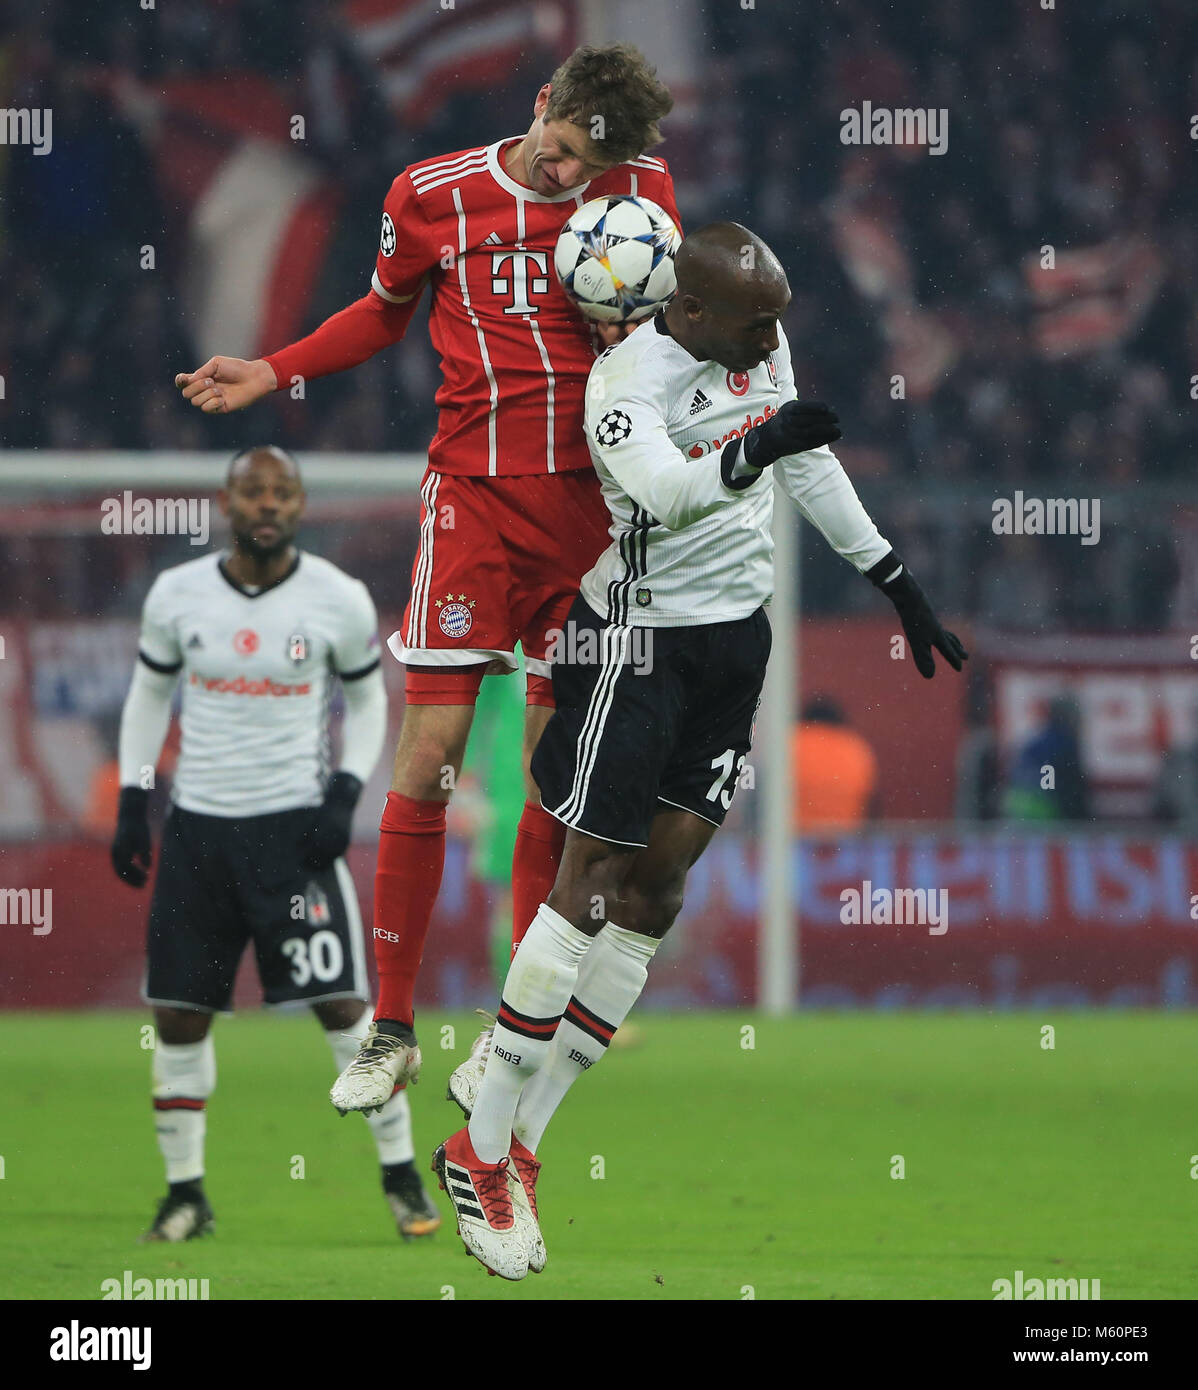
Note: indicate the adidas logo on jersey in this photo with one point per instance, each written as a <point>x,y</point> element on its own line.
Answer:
<point>700,403</point>
<point>493,240</point>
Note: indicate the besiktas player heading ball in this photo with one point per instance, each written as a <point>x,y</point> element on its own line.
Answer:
<point>615,258</point>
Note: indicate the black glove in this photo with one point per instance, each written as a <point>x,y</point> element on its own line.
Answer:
<point>798,426</point>
<point>915,612</point>
<point>327,838</point>
<point>132,852</point>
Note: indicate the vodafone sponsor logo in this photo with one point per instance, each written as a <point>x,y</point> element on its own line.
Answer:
<point>703,446</point>
<point>242,686</point>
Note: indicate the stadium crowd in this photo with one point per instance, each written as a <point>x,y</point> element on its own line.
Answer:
<point>963,364</point>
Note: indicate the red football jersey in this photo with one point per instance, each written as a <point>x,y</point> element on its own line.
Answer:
<point>515,352</point>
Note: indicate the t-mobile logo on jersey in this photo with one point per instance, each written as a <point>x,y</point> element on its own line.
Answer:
<point>519,284</point>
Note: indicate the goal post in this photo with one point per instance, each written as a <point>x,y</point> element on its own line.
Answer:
<point>34,472</point>
<point>778,921</point>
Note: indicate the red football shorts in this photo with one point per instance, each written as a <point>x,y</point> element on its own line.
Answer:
<point>499,562</point>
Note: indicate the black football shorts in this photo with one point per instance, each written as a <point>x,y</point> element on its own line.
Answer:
<point>225,881</point>
<point>648,718</point>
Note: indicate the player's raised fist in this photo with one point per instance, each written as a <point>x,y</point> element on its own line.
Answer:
<point>795,428</point>
<point>224,384</point>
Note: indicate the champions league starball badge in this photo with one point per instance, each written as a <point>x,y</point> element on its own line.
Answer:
<point>615,426</point>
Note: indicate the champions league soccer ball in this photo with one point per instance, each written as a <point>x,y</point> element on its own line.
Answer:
<point>615,258</point>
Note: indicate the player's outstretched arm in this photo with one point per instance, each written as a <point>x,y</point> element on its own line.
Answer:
<point>817,483</point>
<point>348,338</point>
<point>409,249</point>
<point>920,623</point>
<point>224,384</point>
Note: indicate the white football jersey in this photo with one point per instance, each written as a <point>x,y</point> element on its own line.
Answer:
<point>257,669</point>
<point>687,549</point>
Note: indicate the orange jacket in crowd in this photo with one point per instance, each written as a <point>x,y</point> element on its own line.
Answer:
<point>835,777</point>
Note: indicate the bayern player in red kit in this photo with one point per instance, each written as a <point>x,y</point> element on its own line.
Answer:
<point>512,514</point>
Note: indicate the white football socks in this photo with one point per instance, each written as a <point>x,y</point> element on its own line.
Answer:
<point>184,1076</point>
<point>609,984</point>
<point>540,981</point>
<point>392,1125</point>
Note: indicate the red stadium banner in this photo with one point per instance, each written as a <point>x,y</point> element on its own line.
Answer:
<point>1137,697</point>
<point>1029,921</point>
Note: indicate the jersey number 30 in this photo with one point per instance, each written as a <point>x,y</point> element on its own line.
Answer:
<point>320,956</point>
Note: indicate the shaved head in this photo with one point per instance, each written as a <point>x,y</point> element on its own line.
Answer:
<point>245,461</point>
<point>732,291</point>
<point>725,264</point>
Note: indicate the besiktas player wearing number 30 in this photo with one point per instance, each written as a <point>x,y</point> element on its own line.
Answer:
<point>253,845</point>
<point>512,513</point>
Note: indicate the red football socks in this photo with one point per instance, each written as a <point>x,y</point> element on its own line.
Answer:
<point>406,882</point>
<point>539,842</point>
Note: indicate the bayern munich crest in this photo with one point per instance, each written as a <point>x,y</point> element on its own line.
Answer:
<point>454,616</point>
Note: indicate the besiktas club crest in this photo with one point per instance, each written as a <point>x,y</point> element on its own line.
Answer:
<point>316,903</point>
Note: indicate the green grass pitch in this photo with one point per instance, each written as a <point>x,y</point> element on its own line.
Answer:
<point>690,1166</point>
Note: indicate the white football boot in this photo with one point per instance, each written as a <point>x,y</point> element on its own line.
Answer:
<point>383,1063</point>
<point>484,1200</point>
<point>465,1079</point>
<point>525,1195</point>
